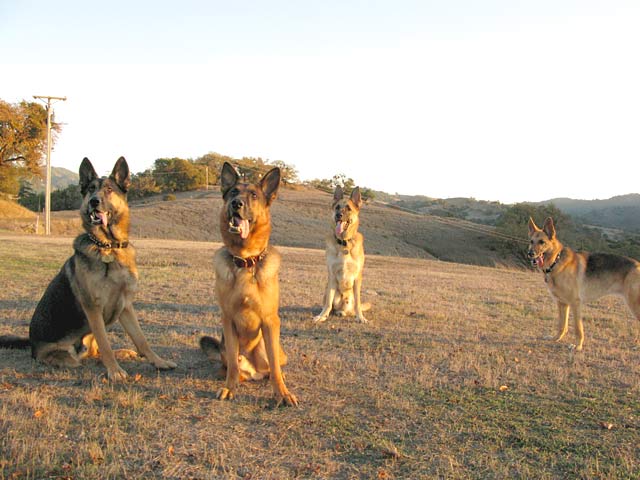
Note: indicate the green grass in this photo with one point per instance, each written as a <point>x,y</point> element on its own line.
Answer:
<point>451,379</point>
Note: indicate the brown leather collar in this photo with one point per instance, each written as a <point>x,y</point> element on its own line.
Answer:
<point>101,244</point>
<point>341,242</point>
<point>248,262</point>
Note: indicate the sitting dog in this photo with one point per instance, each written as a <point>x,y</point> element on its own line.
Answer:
<point>575,278</point>
<point>96,285</point>
<point>247,289</point>
<point>345,259</point>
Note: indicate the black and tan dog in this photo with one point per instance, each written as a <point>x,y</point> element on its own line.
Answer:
<point>247,287</point>
<point>345,259</point>
<point>575,278</point>
<point>96,285</point>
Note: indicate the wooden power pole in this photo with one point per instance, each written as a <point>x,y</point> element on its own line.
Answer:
<point>47,194</point>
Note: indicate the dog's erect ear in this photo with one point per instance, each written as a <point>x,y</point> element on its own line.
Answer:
<point>270,183</point>
<point>228,178</point>
<point>356,198</point>
<point>533,228</point>
<point>549,228</point>
<point>121,174</point>
<point>338,194</point>
<point>87,175</point>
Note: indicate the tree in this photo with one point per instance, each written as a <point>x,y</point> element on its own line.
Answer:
<point>288,173</point>
<point>214,161</point>
<point>142,185</point>
<point>28,198</point>
<point>68,198</point>
<point>23,142</point>
<point>177,174</point>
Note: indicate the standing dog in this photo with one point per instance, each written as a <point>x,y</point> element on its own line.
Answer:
<point>574,278</point>
<point>95,286</point>
<point>345,259</point>
<point>247,287</point>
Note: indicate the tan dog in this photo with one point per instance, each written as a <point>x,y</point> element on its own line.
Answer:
<point>345,259</point>
<point>247,287</point>
<point>96,285</point>
<point>575,278</point>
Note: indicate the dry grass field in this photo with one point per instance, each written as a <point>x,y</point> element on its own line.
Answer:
<point>450,379</point>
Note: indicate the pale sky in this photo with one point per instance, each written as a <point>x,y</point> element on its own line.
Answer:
<point>498,100</point>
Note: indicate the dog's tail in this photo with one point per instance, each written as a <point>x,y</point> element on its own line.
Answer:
<point>211,347</point>
<point>13,341</point>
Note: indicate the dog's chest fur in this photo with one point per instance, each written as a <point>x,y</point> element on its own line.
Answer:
<point>345,262</point>
<point>250,293</point>
<point>113,288</point>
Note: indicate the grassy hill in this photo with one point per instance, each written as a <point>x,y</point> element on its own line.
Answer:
<point>301,218</point>
<point>452,378</point>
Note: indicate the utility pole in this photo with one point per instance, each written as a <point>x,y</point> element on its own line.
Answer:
<point>47,194</point>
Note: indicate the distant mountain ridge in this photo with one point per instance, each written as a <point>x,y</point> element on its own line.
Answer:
<point>621,211</point>
<point>60,178</point>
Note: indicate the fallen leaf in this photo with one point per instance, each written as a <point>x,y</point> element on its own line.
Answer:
<point>38,413</point>
<point>606,425</point>
<point>503,388</point>
<point>170,450</point>
<point>138,377</point>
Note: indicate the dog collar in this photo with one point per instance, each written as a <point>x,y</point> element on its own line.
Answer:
<point>101,244</point>
<point>547,271</point>
<point>341,242</point>
<point>248,262</point>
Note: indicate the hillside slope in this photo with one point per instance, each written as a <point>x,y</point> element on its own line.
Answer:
<point>301,218</point>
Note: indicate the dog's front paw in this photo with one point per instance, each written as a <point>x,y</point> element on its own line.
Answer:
<point>288,398</point>
<point>116,374</point>
<point>224,394</point>
<point>162,364</point>
<point>319,318</point>
<point>362,319</point>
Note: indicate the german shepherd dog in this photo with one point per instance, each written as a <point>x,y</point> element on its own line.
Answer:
<point>345,259</point>
<point>575,278</point>
<point>247,289</point>
<point>96,285</point>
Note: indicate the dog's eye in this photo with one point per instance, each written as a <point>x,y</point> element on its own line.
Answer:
<point>92,188</point>
<point>254,195</point>
<point>108,189</point>
<point>234,192</point>
<point>540,242</point>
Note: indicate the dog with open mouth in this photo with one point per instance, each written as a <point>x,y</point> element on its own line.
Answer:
<point>247,289</point>
<point>95,287</point>
<point>575,278</point>
<point>345,259</point>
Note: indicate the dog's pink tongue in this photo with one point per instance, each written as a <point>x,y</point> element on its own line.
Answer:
<point>339,228</point>
<point>540,261</point>
<point>103,217</point>
<point>244,229</point>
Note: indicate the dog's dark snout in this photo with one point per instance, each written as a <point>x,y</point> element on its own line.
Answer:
<point>237,204</point>
<point>338,216</point>
<point>94,202</point>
